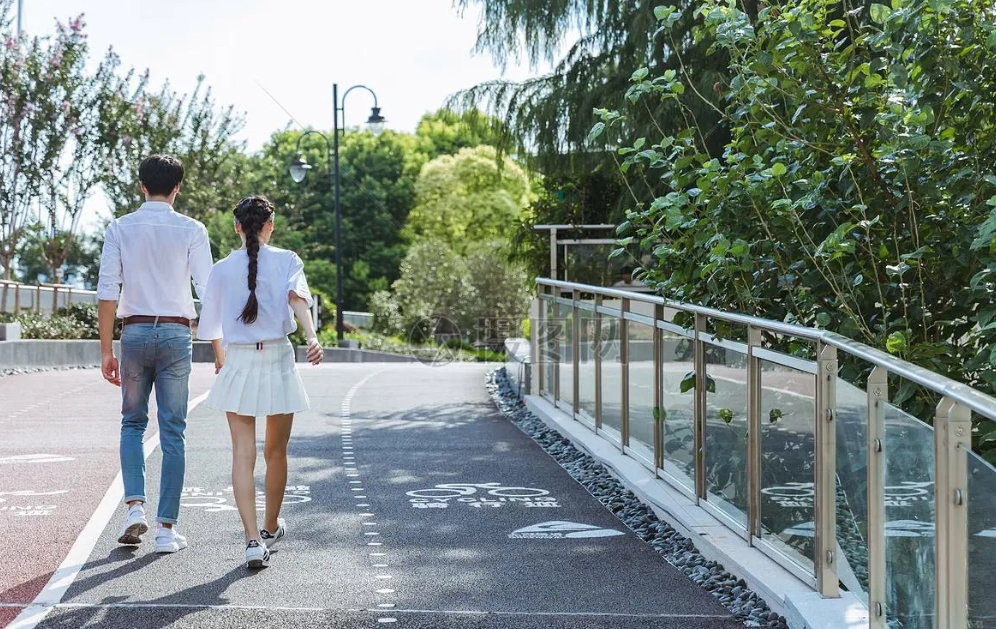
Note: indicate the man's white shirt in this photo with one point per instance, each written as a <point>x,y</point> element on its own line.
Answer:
<point>149,259</point>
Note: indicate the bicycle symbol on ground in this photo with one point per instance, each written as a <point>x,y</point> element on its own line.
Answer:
<point>480,495</point>
<point>456,490</point>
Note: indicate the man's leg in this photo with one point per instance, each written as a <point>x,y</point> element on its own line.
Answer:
<point>173,356</point>
<point>137,373</point>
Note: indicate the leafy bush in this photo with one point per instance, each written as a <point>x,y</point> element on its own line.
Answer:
<point>40,326</point>
<point>860,166</point>
<point>85,315</point>
<point>433,283</point>
<point>386,312</point>
<point>483,294</point>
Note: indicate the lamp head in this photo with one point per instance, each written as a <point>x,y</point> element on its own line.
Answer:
<point>299,169</point>
<point>376,121</point>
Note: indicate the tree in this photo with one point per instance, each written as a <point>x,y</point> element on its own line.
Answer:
<point>81,262</point>
<point>433,283</point>
<point>192,128</point>
<point>857,190</point>
<point>468,198</point>
<point>499,301</point>
<point>378,180</point>
<point>606,41</point>
<point>446,131</point>
<point>52,142</point>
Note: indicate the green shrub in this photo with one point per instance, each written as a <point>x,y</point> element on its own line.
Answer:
<point>83,314</point>
<point>39,326</point>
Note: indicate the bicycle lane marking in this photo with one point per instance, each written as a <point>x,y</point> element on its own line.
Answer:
<point>377,552</point>
<point>64,576</point>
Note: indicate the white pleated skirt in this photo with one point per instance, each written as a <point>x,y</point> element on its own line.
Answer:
<point>259,380</point>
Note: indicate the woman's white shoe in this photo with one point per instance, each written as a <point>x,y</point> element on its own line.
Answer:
<point>257,555</point>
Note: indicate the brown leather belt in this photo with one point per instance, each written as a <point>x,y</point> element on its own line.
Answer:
<point>152,319</point>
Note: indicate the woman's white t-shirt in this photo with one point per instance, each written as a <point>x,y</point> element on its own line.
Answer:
<point>278,272</point>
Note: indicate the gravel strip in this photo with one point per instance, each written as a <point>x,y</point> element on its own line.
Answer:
<point>18,371</point>
<point>678,550</point>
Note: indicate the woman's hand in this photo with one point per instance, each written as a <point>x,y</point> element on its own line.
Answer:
<point>315,352</point>
<point>219,361</point>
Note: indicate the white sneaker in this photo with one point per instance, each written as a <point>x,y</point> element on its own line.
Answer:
<point>257,555</point>
<point>135,526</point>
<point>169,541</point>
<point>272,538</point>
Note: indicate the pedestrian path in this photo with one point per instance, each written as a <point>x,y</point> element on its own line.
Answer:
<point>411,501</point>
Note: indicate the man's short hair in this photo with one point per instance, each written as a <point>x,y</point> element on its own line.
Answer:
<point>160,174</point>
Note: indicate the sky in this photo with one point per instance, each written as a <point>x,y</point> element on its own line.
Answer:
<point>412,53</point>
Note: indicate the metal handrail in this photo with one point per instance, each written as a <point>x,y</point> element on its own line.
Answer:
<point>960,392</point>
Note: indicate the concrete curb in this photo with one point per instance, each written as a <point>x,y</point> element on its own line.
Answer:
<point>64,353</point>
<point>785,594</point>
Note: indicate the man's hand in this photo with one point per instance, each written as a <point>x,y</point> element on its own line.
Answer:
<point>110,369</point>
<point>219,360</point>
<point>315,352</point>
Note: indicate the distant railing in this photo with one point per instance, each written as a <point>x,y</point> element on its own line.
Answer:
<point>41,298</point>
<point>47,298</point>
<point>833,482</point>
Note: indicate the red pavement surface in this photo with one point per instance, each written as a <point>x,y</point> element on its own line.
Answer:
<point>58,455</point>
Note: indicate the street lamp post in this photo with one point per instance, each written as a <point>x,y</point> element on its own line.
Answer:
<point>299,169</point>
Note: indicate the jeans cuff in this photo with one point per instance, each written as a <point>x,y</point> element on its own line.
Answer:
<point>163,520</point>
<point>138,497</point>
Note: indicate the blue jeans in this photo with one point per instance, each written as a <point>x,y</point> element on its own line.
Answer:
<point>155,355</point>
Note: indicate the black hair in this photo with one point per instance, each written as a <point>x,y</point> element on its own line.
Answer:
<point>252,213</point>
<point>160,174</point>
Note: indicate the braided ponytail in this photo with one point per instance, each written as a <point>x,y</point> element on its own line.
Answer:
<point>252,213</point>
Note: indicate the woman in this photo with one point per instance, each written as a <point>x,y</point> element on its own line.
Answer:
<point>247,312</point>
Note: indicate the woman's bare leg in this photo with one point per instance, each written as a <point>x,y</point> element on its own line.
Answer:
<point>278,429</point>
<point>243,430</point>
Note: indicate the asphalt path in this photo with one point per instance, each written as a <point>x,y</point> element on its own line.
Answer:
<point>411,501</point>
<point>59,435</point>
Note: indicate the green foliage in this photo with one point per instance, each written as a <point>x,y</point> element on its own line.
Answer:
<point>501,293</point>
<point>468,198</point>
<point>593,45</point>
<point>857,190</point>
<point>387,313</point>
<point>78,321</point>
<point>192,128</point>
<point>472,292</point>
<point>446,132</point>
<point>378,191</point>
<point>433,282</point>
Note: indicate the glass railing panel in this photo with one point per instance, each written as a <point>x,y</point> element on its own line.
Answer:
<point>586,363</point>
<point>611,376</point>
<point>852,487</point>
<point>981,540</point>
<point>677,364</point>
<point>549,341</point>
<point>726,431</point>
<point>641,385</point>
<point>910,518</point>
<point>787,461</point>
<point>565,354</point>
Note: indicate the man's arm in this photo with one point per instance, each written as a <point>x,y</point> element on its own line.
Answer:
<point>108,291</point>
<point>106,311</point>
<point>199,260</point>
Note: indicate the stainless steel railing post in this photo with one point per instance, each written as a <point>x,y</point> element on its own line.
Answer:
<point>878,398</point>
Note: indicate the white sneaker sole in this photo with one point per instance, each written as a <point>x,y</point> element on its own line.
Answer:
<point>132,535</point>
<point>258,563</point>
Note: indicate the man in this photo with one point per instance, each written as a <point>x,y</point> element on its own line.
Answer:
<point>149,259</point>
